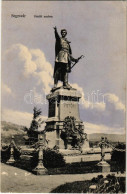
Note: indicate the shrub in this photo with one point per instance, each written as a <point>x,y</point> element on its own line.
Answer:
<point>94,180</point>
<point>100,177</point>
<point>5,153</point>
<point>83,186</point>
<point>119,157</point>
<point>34,160</point>
<point>17,153</point>
<point>53,159</point>
<point>109,176</point>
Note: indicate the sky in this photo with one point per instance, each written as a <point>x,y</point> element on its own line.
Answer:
<point>96,29</point>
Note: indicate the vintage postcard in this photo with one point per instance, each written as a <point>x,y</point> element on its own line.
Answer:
<point>63,75</point>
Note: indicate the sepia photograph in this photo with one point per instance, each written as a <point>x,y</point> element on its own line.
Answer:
<point>63,96</point>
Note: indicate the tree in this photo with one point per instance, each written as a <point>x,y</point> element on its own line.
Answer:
<point>36,123</point>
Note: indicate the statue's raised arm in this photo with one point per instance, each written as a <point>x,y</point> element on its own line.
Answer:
<point>56,33</point>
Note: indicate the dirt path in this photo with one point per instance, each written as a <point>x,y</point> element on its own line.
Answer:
<point>20,181</point>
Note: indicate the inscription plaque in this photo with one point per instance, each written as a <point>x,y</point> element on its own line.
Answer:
<point>52,108</point>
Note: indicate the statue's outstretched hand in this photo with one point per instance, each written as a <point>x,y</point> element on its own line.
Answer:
<point>76,60</point>
<point>55,28</point>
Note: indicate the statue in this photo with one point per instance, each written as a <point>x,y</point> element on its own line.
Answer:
<point>63,114</point>
<point>63,59</point>
<point>102,146</point>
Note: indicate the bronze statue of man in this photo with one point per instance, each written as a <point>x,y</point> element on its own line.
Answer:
<point>63,59</point>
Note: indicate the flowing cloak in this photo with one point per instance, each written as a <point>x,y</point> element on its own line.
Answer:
<point>62,57</point>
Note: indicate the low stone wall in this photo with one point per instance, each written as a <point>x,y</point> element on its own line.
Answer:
<point>86,158</point>
<point>87,155</point>
<point>67,152</point>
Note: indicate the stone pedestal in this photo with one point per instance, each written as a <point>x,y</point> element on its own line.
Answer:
<point>11,160</point>
<point>62,103</point>
<point>40,169</point>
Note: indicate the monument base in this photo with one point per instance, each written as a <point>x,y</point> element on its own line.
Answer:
<point>63,115</point>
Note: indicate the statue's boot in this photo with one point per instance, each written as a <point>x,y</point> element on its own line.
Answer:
<point>54,88</point>
<point>65,83</point>
<point>68,86</point>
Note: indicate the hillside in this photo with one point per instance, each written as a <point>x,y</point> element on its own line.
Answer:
<point>110,137</point>
<point>8,129</point>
